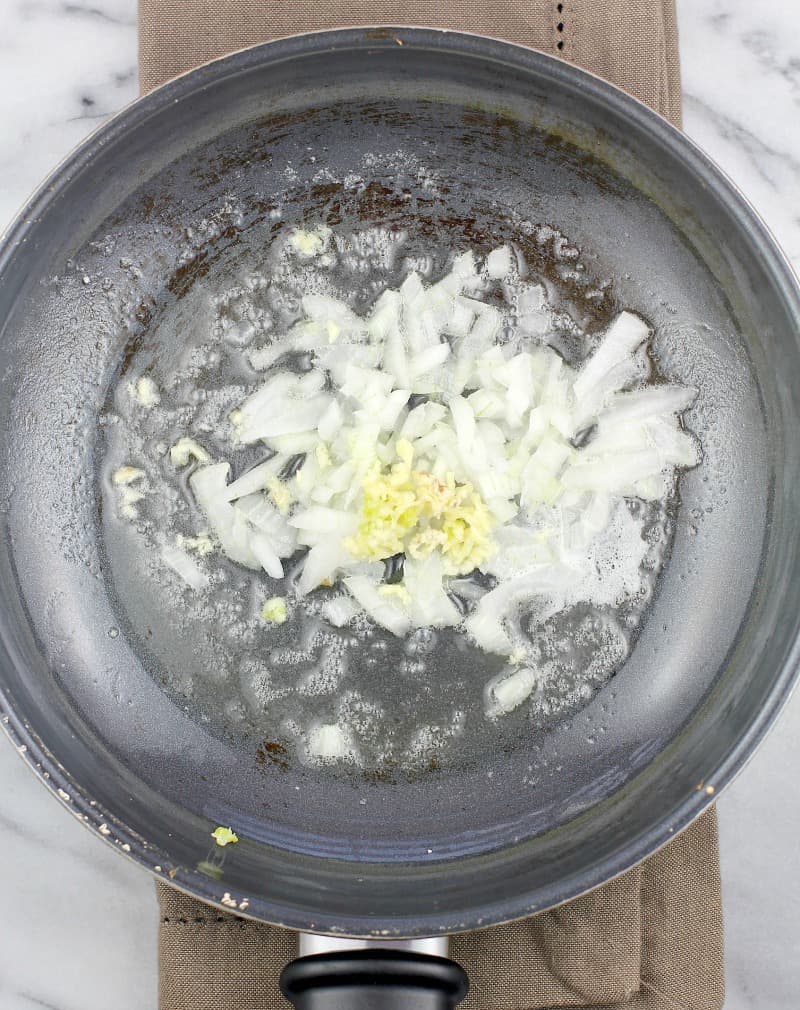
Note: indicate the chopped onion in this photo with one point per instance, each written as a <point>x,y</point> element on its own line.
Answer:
<point>523,456</point>
<point>395,358</point>
<point>428,604</point>
<point>519,548</point>
<point>385,314</point>
<point>498,263</point>
<point>324,309</point>
<point>146,392</point>
<point>487,622</point>
<point>622,338</point>
<point>676,447</point>
<point>329,743</point>
<point>263,515</point>
<point>614,473</point>
<point>262,358</point>
<point>340,610</point>
<point>611,367</point>
<point>287,417</point>
<point>643,404</point>
<point>256,479</point>
<point>128,499</point>
<point>459,317</point>
<point>209,486</point>
<point>464,422</point>
<point>294,445</point>
<point>383,610</point>
<point>266,554</point>
<point>330,422</point>
<point>319,522</point>
<point>180,562</point>
<point>505,693</point>
<point>393,408</point>
<point>421,420</point>
<point>322,563</point>
<point>286,404</point>
<point>429,359</point>
<point>533,316</point>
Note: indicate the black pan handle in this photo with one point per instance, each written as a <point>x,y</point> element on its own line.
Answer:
<point>373,979</point>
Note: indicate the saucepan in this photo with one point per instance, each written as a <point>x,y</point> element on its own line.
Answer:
<point>458,142</point>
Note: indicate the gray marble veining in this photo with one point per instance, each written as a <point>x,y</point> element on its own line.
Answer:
<point>78,928</point>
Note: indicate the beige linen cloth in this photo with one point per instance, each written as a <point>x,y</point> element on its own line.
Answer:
<point>649,940</point>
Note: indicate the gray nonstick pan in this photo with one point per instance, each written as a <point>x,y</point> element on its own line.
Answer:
<point>460,142</point>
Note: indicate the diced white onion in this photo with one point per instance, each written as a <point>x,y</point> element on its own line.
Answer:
<point>266,554</point>
<point>340,610</point>
<point>321,564</point>
<point>547,452</point>
<point>180,562</point>
<point>498,263</point>
<point>429,604</point>
<point>383,610</point>
<point>256,479</point>
<point>209,486</point>
<point>505,693</point>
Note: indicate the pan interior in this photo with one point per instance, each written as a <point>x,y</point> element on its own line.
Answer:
<point>415,704</point>
<point>174,215</point>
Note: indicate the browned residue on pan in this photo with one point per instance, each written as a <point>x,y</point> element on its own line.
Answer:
<point>184,276</point>
<point>144,316</point>
<point>272,752</point>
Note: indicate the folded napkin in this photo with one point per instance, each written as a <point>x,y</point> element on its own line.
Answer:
<point>652,938</point>
<point>632,43</point>
<point>649,940</point>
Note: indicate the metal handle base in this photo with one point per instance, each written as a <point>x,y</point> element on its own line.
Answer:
<point>373,979</point>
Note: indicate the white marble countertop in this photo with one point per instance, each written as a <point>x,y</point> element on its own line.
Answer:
<point>78,928</point>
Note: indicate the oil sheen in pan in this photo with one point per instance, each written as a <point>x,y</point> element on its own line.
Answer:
<point>406,705</point>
